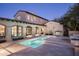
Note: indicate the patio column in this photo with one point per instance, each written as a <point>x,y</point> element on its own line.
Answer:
<point>8,33</point>
<point>24,31</point>
<point>44,30</point>
<point>33,31</point>
<point>39,31</point>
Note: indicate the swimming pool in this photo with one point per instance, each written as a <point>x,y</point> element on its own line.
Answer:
<point>35,42</point>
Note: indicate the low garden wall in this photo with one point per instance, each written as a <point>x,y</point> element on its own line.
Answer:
<point>73,32</point>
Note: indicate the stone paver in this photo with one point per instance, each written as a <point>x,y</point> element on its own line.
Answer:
<point>6,44</point>
<point>15,48</point>
<point>4,52</point>
<point>9,48</point>
<point>51,47</point>
<point>76,51</point>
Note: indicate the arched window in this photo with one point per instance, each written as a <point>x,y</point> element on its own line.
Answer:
<point>2,30</point>
<point>28,30</point>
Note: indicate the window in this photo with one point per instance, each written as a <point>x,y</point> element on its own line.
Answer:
<point>14,31</point>
<point>19,31</point>
<point>34,19</point>
<point>28,30</point>
<point>2,30</point>
<point>28,17</point>
<point>19,17</point>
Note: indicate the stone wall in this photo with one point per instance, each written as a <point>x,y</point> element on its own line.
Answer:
<point>73,32</point>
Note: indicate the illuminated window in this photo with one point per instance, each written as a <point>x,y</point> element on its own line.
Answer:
<point>14,31</point>
<point>2,30</point>
<point>19,31</point>
<point>28,17</point>
<point>34,18</point>
<point>28,30</point>
<point>19,17</point>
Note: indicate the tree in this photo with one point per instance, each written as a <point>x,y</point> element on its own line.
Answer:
<point>71,19</point>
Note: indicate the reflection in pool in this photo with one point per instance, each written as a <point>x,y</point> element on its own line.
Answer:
<point>35,42</point>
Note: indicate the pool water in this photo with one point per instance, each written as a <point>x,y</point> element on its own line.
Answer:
<point>35,42</point>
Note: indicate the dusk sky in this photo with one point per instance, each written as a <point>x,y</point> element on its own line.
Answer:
<point>48,11</point>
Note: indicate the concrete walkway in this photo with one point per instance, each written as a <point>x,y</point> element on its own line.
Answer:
<point>52,47</point>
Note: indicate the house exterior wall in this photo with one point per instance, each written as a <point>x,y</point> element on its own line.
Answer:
<point>26,19</point>
<point>9,25</point>
<point>54,28</point>
<point>51,27</point>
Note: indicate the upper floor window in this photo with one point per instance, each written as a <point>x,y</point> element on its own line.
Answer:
<point>28,17</point>
<point>34,18</point>
<point>19,17</point>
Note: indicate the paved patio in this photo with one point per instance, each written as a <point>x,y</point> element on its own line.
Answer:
<point>52,47</point>
<point>10,48</point>
<point>76,51</point>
